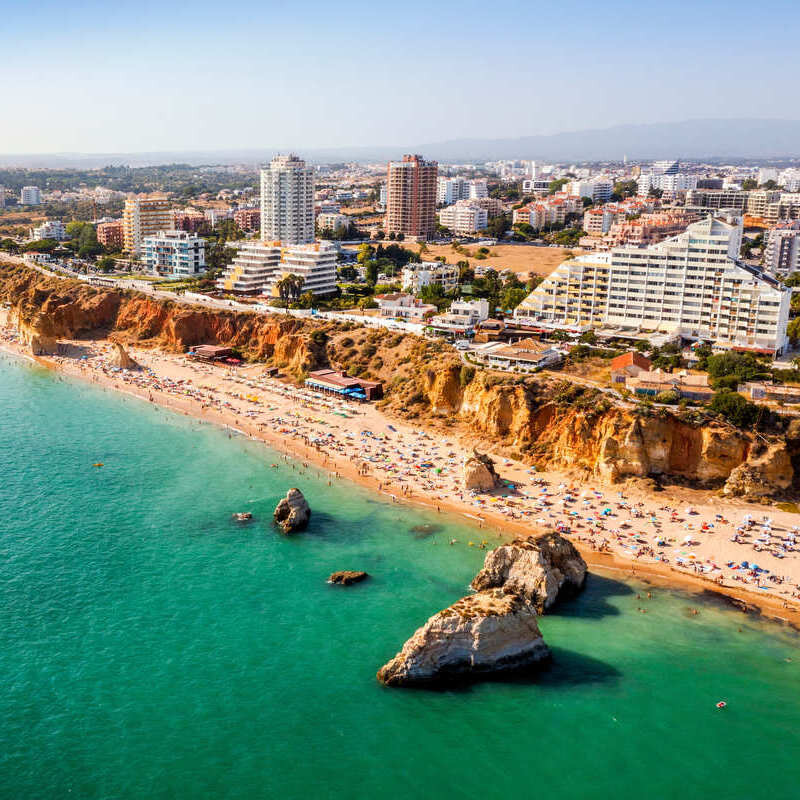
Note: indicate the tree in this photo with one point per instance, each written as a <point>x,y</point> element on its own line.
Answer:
<point>736,409</point>
<point>625,189</point>
<point>588,337</point>
<point>371,271</point>
<point>512,297</point>
<point>740,367</point>
<point>289,288</point>
<point>748,184</point>
<point>365,253</point>
<point>556,185</point>
<point>587,201</point>
<point>106,264</point>
<point>793,330</point>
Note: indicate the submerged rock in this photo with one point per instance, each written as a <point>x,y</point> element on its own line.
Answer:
<point>479,473</point>
<point>292,513</point>
<point>347,577</point>
<point>542,570</point>
<point>486,633</point>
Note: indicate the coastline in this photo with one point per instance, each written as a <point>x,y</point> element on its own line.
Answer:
<point>488,522</point>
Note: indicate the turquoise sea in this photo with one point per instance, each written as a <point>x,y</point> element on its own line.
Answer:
<point>152,648</point>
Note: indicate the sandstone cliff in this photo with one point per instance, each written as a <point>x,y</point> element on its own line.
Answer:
<point>536,420</point>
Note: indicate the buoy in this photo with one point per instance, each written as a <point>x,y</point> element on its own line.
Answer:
<point>98,464</point>
<point>721,704</point>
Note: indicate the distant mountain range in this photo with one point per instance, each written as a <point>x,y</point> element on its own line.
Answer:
<point>704,139</point>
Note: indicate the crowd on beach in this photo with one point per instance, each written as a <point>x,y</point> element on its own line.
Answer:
<point>759,552</point>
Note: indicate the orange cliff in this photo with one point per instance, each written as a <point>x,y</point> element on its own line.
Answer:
<point>552,424</point>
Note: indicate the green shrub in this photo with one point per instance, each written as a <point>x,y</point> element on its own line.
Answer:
<point>466,375</point>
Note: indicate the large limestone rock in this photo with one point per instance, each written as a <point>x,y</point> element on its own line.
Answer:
<point>292,513</point>
<point>768,471</point>
<point>120,358</point>
<point>479,473</point>
<point>541,570</point>
<point>486,633</point>
<point>347,577</point>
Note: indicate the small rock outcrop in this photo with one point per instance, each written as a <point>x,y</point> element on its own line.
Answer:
<point>479,473</point>
<point>292,513</point>
<point>767,472</point>
<point>541,570</point>
<point>486,633</point>
<point>120,358</point>
<point>346,577</point>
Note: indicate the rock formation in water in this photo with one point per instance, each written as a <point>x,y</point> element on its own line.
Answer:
<point>487,633</point>
<point>292,513</point>
<point>541,570</point>
<point>347,577</point>
<point>479,473</point>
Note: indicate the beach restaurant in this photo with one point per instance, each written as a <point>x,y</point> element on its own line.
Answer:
<point>212,353</point>
<point>331,381</point>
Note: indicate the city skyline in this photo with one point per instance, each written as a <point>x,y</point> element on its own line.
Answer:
<point>169,80</point>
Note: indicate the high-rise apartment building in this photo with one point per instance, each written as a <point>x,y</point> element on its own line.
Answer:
<point>287,201</point>
<point>782,250</point>
<point>411,197</point>
<point>144,216</point>
<point>174,253</point>
<point>691,285</point>
<point>30,196</point>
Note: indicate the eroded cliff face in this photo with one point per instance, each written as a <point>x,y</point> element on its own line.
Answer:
<point>535,420</point>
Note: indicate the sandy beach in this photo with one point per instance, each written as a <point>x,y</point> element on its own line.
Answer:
<point>680,537</point>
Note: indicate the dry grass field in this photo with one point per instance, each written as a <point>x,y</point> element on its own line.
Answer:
<point>522,259</point>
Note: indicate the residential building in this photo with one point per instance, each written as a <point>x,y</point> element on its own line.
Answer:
<point>667,182</point>
<point>247,219</point>
<point>2,196</point>
<point>537,186</point>
<point>787,207</point>
<point>758,202</point>
<point>651,384</point>
<point>287,201</point>
<point>416,276</point>
<point>597,221</point>
<point>314,263</point>
<point>214,216</point>
<point>782,249</point>
<point>464,217</point>
<point>551,210</point>
<point>628,365</point>
<point>411,197</point>
<point>526,355</point>
<point>188,220</point>
<point>647,229</point>
<point>333,222</point>
<point>51,229</point>
<point>143,216</point>
<point>111,234</point>
<point>691,285</point>
<point>253,266</point>
<point>717,199</point>
<point>405,307</point>
<point>461,318</point>
<point>770,392</point>
<point>451,190</point>
<point>174,253</point>
<point>30,196</point>
<point>598,190</point>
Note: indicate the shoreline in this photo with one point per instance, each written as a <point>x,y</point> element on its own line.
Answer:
<point>768,605</point>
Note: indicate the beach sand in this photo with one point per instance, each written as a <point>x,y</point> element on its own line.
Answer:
<point>678,537</point>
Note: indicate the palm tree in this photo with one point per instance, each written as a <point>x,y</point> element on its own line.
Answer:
<point>289,288</point>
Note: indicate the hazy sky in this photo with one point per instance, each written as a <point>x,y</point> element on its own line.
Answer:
<point>120,77</point>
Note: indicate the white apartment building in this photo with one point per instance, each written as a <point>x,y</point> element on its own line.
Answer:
<point>404,306</point>
<point>2,196</point>
<point>599,190</point>
<point>333,222</point>
<point>259,266</point>
<point>416,276</point>
<point>52,229</point>
<point>782,249</point>
<point>758,202</point>
<point>464,217</point>
<point>287,201</point>
<point>174,253</point>
<point>30,196</point>
<point>451,190</point>
<point>254,264</point>
<point>314,263</point>
<point>668,182</point>
<point>690,285</point>
<point>536,186</point>
<point>461,318</point>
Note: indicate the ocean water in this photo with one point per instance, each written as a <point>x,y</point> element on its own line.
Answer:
<point>152,648</point>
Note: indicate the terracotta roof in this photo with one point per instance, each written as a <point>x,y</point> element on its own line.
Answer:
<point>631,358</point>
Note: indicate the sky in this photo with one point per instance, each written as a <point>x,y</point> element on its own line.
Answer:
<point>119,77</point>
